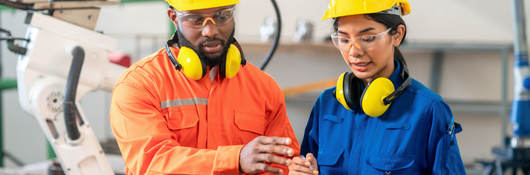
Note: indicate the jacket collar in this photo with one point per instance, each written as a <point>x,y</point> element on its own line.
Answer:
<point>396,76</point>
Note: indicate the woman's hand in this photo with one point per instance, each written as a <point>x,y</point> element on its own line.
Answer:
<point>303,165</point>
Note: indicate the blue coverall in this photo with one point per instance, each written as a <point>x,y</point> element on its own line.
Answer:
<point>416,135</point>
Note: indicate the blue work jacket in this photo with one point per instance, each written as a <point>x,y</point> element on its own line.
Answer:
<point>416,135</point>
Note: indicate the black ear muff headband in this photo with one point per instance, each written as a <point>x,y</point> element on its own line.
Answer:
<point>406,83</point>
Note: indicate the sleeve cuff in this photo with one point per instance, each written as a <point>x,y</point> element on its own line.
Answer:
<point>227,160</point>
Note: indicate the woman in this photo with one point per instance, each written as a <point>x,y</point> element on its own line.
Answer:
<point>377,120</point>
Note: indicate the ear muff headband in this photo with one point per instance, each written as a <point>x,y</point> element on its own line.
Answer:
<point>400,89</point>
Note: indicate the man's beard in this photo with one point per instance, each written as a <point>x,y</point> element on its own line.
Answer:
<point>216,60</point>
<point>210,61</point>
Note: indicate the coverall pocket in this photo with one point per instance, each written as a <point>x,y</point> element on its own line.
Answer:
<point>388,164</point>
<point>250,122</point>
<point>329,160</point>
<point>179,118</point>
<point>394,138</point>
<point>329,157</point>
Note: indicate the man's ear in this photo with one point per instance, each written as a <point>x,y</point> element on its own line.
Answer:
<point>398,36</point>
<point>172,14</point>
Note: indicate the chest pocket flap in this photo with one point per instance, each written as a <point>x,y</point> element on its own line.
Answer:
<point>333,118</point>
<point>181,118</point>
<point>251,122</point>
<point>397,127</point>
<point>329,157</point>
<point>391,163</point>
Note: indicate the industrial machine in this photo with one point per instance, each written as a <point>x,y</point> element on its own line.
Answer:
<point>63,59</point>
<point>514,153</point>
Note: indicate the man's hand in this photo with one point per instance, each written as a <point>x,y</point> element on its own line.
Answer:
<point>262,150</point>
<point>304,165</point>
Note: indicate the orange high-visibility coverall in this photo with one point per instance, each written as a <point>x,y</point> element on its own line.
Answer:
<point>165,123</point>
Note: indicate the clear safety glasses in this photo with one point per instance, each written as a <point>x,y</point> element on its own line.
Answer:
<point>198,21</point>
<point>362,42</point>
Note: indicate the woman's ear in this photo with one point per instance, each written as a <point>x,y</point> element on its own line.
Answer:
<point>398,36</point>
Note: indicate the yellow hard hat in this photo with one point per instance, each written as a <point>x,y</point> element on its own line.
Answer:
<point>338,8</point>
<point>185,5</point>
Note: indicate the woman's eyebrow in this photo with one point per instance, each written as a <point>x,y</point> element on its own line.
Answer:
<point>367,29</point>
<point>362,31</point>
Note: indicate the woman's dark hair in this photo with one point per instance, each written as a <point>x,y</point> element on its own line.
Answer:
<point>390,21</point>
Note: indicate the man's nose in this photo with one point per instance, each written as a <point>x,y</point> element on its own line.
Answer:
<point>209,29</point>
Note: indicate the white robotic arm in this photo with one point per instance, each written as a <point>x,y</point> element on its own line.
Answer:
<point>42,74</point>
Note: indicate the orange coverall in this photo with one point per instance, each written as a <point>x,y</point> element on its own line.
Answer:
<point>165,123</point>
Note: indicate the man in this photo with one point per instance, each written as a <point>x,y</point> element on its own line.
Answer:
<point>196,107</point>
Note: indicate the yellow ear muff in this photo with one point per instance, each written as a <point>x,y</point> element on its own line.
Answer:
<point>339,92</point>
<point>233,61</point>
<point>372,101</point>
<point>190,62</point>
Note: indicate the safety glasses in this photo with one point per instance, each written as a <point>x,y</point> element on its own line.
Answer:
<point>362,42</point>
<point>198,21</point>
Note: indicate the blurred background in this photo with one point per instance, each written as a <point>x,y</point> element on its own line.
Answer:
<point>461,49</point>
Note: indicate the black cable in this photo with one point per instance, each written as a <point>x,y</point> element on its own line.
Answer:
<point>17,5</point>
<point>11,38</point>
<point>276,38</point>
<point>14,48</point>
<point>11,42</point>
<point>5,31</point>
<point>71,114</point>
<point>50,11</point>
<point>15,160</point>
